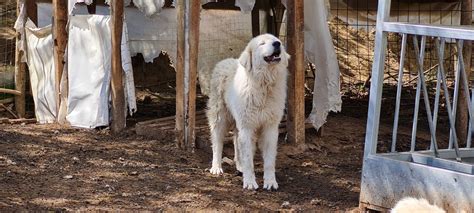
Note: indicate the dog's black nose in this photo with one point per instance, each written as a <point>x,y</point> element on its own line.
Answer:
<point>276,44</point>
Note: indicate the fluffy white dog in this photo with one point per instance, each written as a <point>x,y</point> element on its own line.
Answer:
<point>248,95</point>
<point>412,205</point>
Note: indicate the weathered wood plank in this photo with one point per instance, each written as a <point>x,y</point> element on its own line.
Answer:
<point>20,67</point>
<point>10,91</point>
<point>194,19</point>
<point>118,95</point>
<point>60,19</point>
<point>180,113</point>
<point>295,43</point>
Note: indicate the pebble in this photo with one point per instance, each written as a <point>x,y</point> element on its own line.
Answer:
<point>68,177</point>
<point>285,205</point>
<point>315,201</point>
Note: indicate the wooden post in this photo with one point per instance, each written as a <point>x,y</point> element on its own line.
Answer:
<point>295,43</point>
<point>462,110</point>
<point>194,14</point>
<point>255,21</point>
<point>20,67</point>
<point>180,51</point>
<point>118,95</point>
<point>60,18</point>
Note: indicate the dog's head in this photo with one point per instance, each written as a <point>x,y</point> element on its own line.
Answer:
<point>264,50</point>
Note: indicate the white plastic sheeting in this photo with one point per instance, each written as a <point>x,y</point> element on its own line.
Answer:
<point>159,33</point>
<point>41,69</point>
<point>128,82</point>
<point>319,50</point>
<point>72,3</point>
<point>88,71</point>
<point>148,7</point>
<point>89,64</point>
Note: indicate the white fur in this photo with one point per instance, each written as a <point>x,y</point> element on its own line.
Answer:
<point>247,95</point>
<point>412,205</point>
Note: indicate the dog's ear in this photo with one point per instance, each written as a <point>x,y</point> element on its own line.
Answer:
<point>245,58</point>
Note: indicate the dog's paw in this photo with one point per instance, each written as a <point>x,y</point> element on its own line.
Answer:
<point>250,184</point>
<point>216,171</point>
<point>270,184</point>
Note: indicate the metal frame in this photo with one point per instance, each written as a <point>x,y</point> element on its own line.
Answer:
<point>443,176</point>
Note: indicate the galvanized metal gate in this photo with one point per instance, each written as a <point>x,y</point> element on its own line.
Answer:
<point>442,176</point>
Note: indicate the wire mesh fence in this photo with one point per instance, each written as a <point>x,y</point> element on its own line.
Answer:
<point>352,25</point>
<point>7,53</point>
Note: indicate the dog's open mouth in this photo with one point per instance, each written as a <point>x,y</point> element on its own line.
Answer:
<point>275,57</point>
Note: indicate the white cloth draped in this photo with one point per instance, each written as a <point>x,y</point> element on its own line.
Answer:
<point>39,46</point>
<point>89,68</point>
<point>319,49</point>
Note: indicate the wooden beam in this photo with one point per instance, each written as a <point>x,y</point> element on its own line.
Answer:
<point>20,67</point>
<point>118,95</point>
<point>462,116</point>
<point>255,22</point>
<point>295,43</point>
<point>60,18</point>
<point>180,113</point>
<point>194,14</point>
<point>10,91</point>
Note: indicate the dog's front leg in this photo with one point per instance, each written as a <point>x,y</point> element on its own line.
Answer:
<point>245,141</point>
<point>268,145</point>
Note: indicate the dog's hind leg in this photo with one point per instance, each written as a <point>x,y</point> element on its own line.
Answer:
<point>268,146</point>
<point>218,131</point>
<point>246,151</point>
<point>236,150</point>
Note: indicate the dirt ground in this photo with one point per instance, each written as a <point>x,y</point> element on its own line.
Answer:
<point>48,167</point>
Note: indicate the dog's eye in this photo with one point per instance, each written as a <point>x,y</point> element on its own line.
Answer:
<point>261,43</point>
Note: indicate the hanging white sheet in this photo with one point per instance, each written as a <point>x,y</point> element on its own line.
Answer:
<point>128,81</point>
<point>148,7</point>
<point>88,71</point>
<point>89,64</point>
<point>39,43</point>
<point>71,4</point>
<point>319,50</point>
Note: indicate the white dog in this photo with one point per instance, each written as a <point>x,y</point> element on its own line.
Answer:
<point>411,205</point>
<point>248,95</point>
